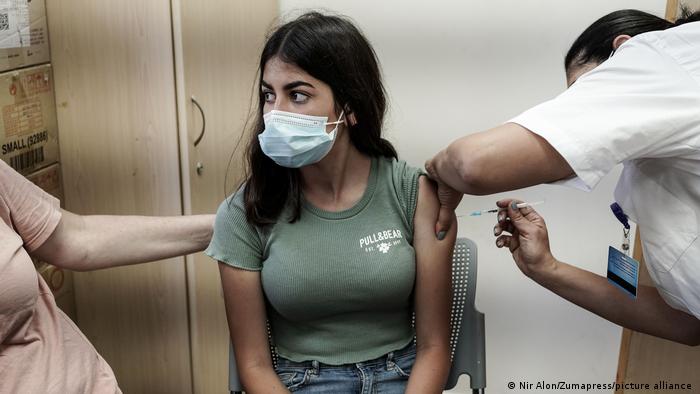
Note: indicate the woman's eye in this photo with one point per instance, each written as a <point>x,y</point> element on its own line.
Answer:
<point>269,97</point>
<point>298,97</point>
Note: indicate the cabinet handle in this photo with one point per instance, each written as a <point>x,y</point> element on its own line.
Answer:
<point>204,121</point>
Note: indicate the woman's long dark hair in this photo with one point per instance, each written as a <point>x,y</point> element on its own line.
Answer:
<point>332,50</point>
<point>595,44</point>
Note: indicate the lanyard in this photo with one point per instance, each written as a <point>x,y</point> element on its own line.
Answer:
<point>622,217</point>
<point>623,270</point>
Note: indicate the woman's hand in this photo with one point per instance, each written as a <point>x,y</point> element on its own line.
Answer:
<point>528,240</point>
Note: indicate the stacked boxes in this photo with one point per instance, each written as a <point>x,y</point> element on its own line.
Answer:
<point>28,126</point>
<point>24,37</point>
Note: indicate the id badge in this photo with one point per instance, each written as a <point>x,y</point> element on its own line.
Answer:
<point>623,271</point>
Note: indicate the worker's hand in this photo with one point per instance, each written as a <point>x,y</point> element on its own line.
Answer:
<point>528,240</point>
<point>448,197</point>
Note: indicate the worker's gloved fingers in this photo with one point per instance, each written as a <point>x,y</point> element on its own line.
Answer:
<point>503,241</point>
<point>506,226</point>
<point>511,242</point>
<point>502,215</point>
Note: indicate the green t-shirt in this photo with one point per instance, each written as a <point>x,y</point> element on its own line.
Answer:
<point>338,285</point>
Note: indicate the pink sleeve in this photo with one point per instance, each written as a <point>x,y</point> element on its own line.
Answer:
<point>33,213</point>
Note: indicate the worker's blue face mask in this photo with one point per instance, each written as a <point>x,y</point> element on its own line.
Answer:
<point>295,140</point>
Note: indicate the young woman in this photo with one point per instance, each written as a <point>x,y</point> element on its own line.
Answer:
<point>331,239</point>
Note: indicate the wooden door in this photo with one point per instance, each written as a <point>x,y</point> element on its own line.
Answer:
<point>217,48</point>
<point>115,92</point>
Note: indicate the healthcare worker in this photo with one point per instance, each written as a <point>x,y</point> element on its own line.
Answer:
<point>633,98</point>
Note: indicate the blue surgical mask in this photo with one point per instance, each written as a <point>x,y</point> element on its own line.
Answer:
<point>294,140</point>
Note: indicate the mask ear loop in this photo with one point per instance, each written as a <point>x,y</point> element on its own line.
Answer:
<point>337,122</point>
<point>340,119</point>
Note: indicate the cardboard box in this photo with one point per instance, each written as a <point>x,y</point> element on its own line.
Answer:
<point>49,179</point>
<point>24,35</point>
<point>28,127</point>
<point>59,280</point>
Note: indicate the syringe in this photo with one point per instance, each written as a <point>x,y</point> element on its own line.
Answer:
<point>521,205</point>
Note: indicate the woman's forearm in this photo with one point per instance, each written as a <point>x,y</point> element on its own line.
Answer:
<point>648,313</point>
<point>429,373</point>
<point>122,240</point>
<point>84,243</point>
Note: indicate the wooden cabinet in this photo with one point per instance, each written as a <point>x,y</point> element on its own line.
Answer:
<point>218,52</point>
<point>118,129</point>
<point>125,72</point>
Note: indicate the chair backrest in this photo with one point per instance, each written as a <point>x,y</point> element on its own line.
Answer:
<point>467,339</point>
<point>234,383</point>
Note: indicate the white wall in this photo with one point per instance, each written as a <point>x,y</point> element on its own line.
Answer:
<point>456,67</point>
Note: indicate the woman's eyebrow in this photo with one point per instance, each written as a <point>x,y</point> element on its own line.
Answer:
<point>288,86</point>
<point>296,84</point>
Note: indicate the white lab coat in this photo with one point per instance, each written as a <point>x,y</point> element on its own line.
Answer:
<point>641,107</point>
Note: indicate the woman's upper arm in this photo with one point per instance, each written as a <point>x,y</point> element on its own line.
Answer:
<point>63,247</point>
<point>247,319</point>
<point>433,289</point>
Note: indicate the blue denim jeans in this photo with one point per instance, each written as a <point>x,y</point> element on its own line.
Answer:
<point>386,375</point>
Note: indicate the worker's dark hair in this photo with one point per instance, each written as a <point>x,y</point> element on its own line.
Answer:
<point>595,44</point>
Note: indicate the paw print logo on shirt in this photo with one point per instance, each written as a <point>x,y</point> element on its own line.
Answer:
<point>384,247</point>
<point>381,241</point>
